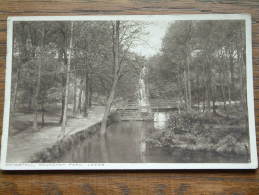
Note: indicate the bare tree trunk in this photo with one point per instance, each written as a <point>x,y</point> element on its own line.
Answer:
<point>108,107</point>
<point>198,91</point>
<point>229,94</point>
<point>189,96</point>
<point>23,58</point>
<point>186,91</point>
<point>30,100</point>
<point>63,88</point>
<point>16,90</point>
<point>74,97</point>
<point>67,79</point>
<point>90,92</point>
<point>204,99</point>
<point>242,63</point>
<point>38,83</point>
<point>63,57</point>
<point>42,113</point>
<point>223,88</point>
<point>115,78</point>
<point>179,93</point>
<point>203,89</point>
<point>62,106</point>
<point>36,96</point>
<point>223,93</point>
<point>79,101</point>
<point>209,96</point>
<point>86,95</point>
<point>208,83</point>
<point>213,92</point>
<point>198,100</point>
<point>231,74</point>
<point>80,97</point>
<point>231,81</point>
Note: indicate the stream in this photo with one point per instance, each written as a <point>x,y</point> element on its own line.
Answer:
<point>125,143</point>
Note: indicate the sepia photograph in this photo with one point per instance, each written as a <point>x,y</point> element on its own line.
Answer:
<point>129,92</point>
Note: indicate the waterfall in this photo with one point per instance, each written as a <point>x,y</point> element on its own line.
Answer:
<point>143,95</point>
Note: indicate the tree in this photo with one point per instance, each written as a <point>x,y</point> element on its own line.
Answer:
<point>67,78</point>
<point>205,57</point>
<point>124,35</point>
<point>20,47</point>
<point>115,51</point>
<point>177,49</point>
<point>39,62</point>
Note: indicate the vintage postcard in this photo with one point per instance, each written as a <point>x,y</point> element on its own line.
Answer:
<point>129,92</point>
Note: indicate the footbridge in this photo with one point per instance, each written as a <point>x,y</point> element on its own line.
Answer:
<point>132,110</point>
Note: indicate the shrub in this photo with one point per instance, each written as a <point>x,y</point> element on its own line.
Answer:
<point>196,131</point>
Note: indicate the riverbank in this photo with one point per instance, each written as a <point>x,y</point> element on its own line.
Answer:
<point>22,146</point>
<point>204,133</point>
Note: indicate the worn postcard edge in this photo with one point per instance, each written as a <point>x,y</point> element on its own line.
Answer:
<point>131,166</point>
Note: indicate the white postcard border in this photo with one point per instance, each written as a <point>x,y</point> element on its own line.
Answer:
<point>131,166</point>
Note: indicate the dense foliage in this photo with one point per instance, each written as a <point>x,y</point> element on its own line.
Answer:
<point>69,66</point>
<point>203,132</point>
<point>201,63</point>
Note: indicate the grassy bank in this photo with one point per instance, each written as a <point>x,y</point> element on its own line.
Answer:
<point>208,132</point>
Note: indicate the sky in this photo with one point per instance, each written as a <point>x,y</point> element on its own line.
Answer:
<point>152,40</point>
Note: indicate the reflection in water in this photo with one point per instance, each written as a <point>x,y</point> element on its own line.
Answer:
<point>125,143</point>
<point>142,145</point>
<point>103,148</point>
<point>161,120</point>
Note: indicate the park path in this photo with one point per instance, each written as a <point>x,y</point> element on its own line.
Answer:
<point>23,145</point>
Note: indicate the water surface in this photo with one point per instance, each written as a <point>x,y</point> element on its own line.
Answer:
<point>125,143</point>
